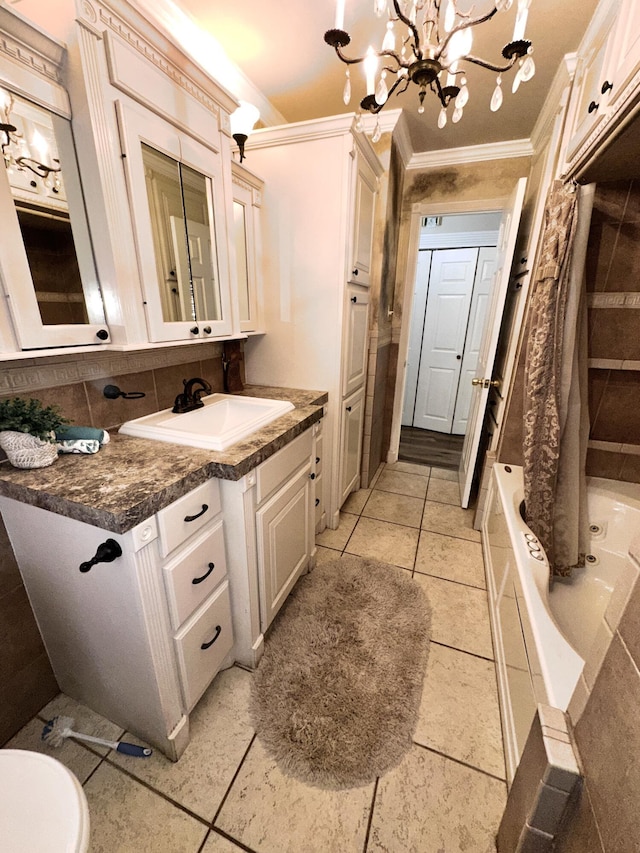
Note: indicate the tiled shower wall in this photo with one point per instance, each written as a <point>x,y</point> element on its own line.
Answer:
<point>75,383</point>
<point>613,288</point>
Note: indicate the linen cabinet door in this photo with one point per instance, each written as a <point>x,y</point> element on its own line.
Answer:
<point>366,188</point>
<point>356,339</point>
<point>351,444</point>
<point>284,526</point>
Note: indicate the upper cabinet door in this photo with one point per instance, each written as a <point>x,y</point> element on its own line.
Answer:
<point>178,208</point>
<point>366,188</point>
<point>247,201</point>
<point>46,264</point>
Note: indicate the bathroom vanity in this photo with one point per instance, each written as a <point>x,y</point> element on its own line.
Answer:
<point>155,565</point>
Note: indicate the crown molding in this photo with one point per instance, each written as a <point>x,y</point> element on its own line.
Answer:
<point>402,138</point>
<point>471,154</point>
<point>301,131</point>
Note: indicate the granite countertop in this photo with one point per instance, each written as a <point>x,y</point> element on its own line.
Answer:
<point>130,479</point>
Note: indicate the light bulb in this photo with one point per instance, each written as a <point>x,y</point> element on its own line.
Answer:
<point>449,16</point>
<point>370,68</point>
<point>380,7</point>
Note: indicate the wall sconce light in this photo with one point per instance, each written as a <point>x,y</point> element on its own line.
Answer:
<point>242,122</point>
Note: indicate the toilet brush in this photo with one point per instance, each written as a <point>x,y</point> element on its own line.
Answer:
<point>57,730</point>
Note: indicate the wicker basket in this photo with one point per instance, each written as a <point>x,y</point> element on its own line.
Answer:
<point>27,451</point>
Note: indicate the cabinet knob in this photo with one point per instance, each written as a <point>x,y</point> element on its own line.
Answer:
<point>194,330</point>
<point>312,476</point>
<point>606,87</point>
<point>317,459</point>
<point>348,408</point>
<point>355,271</point>
<point>207,330</point>
<point>354,299</point>
<point>458,357</point>
<point>106,552</point>
<point>102,334</point>
<point>592,107</point>
<point>317,501</point>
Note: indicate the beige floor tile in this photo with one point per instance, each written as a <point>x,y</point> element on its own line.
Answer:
<point>430,804</point>
<point>459,713</point>
<point>400,509</point>
<point>450,558</point>
<point>84,719</point>
<point>219,844</point>
<point>450,520</point>
<point>273,813</point>
<point>409,468</point>
<point>356,501</point>
<point>381,540</point>
<point>325,555</point>
<point>338,538</point>
<point>79,760</point>
<point>444,474</point>
<point>220,732</point>
<point>459,615</point>
<point>443,491</point>
<point>376,476</point>
<point>126,817</point>
<point>403,484</point>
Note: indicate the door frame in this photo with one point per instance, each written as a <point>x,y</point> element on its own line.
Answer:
<point>418,211</point>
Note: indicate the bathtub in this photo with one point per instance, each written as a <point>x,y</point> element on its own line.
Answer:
<point>543,637</point>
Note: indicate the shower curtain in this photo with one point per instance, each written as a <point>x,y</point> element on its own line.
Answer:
<point>556,419</point>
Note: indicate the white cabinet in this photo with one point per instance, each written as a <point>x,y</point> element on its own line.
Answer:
<point>137,639</point>
<point>247,202</point>
<point>269,535</point>
<point>365,191</point>
<point>318,212</point>
<point>626,51</point>
<point>351,443</point>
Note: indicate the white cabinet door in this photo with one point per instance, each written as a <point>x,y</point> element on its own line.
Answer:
<point>626,48</point>
<point>284,526</point>
<point>592,83</point>
<point>351,443</point>
<point>356,339</point>
<point>366,187</point>
<point>445,326</point>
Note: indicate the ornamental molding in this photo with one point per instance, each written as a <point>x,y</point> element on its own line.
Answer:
<point>30,58</point>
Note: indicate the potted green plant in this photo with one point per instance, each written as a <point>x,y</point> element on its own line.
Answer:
<point>27,432</point>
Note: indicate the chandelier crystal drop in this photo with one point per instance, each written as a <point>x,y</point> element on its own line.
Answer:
<point>434,40</point>
<point>346,92</point>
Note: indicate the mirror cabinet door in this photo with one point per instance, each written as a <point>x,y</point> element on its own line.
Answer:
<point>247,195</point>
<point>47,260</point>
<point>175,192</point>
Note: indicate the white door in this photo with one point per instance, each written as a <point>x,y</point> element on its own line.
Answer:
<point>356,339</point>
<point>479,304</point>
<point>486,357</point>
<point>445,327</point>
<point>415,335</point>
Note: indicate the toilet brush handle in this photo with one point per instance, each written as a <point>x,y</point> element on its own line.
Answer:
<point>134,749</point>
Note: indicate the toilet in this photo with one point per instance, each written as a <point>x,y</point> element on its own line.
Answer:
<point>43,808</point>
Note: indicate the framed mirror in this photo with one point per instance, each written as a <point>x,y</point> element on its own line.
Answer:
<point>177,205</point>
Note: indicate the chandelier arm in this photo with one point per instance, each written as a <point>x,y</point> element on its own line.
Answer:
<point>489,65</point>
<point>38,169</point>
<point>471,22</point>
<point>354,61</point>
<point>411,26</point>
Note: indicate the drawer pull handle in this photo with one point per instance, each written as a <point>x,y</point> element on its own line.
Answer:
<point>205,575</point>
<point>312,476</point>
<point>107,552</point>
<point>317,459</point>
<point>317,501</point>
<point>189,518</point>
<point>208,645</point>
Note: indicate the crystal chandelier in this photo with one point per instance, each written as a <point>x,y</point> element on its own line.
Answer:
<point>429,42</point>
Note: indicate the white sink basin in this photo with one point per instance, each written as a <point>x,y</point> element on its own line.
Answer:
<point>224,420</point>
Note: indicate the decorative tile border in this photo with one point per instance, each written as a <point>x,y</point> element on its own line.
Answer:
<point>26,378</point>
<point>614,447</point>
<point>613,300</point>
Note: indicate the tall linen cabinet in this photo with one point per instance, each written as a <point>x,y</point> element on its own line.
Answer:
<point>321,184</point>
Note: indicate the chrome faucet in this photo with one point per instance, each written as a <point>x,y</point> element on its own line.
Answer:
<point>191,399</point>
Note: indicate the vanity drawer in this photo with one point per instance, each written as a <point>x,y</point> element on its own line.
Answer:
<point>193,575</point>
<point>184,517</point>
<point>282,464</point>
<point>203,643</point>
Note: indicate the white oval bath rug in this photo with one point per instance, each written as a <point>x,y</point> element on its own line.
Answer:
<point>336,696</point>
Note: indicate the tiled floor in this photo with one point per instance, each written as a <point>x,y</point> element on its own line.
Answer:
<point>226,795</point>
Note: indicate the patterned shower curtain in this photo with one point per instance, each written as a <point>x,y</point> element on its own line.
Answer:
<point>556,420</point>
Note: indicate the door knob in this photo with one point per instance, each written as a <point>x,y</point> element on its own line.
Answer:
<point>477,381</point>
<point>486,383</point>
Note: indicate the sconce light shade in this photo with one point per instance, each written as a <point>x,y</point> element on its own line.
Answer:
<point>242,122</point>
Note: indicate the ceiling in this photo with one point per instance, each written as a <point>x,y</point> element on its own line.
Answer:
<point>279,46</point>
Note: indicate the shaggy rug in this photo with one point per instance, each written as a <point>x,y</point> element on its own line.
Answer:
<point>335,698</point>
